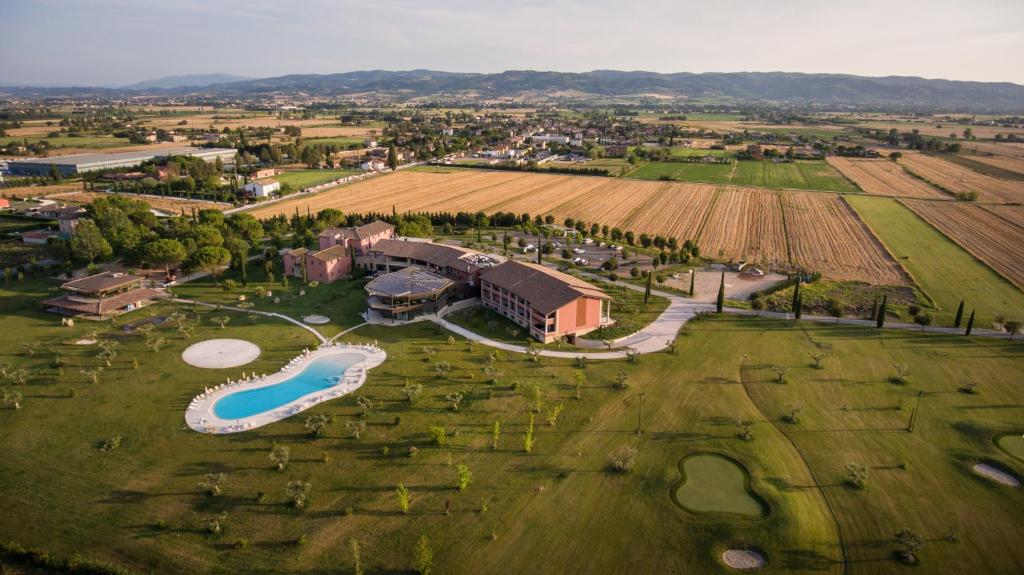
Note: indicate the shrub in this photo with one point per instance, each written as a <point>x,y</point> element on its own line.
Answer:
<point>623,459</point>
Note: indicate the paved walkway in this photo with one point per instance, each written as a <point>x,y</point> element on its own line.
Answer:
<point>318,335</point>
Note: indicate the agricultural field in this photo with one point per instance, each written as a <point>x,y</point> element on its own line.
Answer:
<point>141,506</point>
<point>77,142</point>
<point>884,178</point>
<point>1003,167</point>
<point>942,130</point>
<point>341,141</point>
<point>170,205</point>
<point>960,179</point>
<point>1014,214</point>
<point>829,237</point>
<point>826,235</point>
<point>40,191</point>
<point>803,175</point>
<point>300,179</point>
<point>942,269</point>
<point>1002,149</point>
<point>745,224</point>
<point>990,238</point>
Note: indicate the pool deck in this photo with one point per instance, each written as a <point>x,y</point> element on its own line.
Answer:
<point>200,415</point>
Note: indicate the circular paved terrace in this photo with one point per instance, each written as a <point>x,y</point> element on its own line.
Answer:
<point>220,353</point>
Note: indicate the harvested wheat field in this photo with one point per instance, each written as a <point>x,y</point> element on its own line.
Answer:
<point>884,178</point>
<point>1014,214</point>
<point>959,179</point>
<point>826,235</point>
<point>168,205</point>
<point>745,224</point>
<point>1004,162</point>
<point>987,236</point>
<point>728,222</point>
<point>40,191</point>
<point>1006,149</point>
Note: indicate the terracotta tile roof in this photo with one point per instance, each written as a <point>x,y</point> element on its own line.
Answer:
<point>543,288</point>
<point>331,253</point>
<point>360,232</point>
<point>101,282</point>
<point>298,252</point>
<point>440,255</point>
<point>101,306</point>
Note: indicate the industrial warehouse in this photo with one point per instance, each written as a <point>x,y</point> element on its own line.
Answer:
<point>81,163</point>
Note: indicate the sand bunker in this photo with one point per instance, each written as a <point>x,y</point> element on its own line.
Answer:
<point>85,342</point>
<point>220,353</point>
<point>316,319</point>
<point>743,559</point>
<point>997,475</point>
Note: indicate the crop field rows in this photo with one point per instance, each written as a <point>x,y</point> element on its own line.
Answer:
<point>884,178</point>
<point>960,179</point>
<point>800,175</point>
<point>987,236</point>
<point>811,230</point>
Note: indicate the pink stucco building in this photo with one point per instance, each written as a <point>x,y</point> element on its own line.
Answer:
<point>548,303</point>
<point>337,246</point>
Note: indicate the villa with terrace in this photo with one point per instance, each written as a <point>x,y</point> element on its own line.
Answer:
<point>102,296</point>
<point>337,247</point>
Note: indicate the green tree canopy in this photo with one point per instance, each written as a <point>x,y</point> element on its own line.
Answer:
<point>88,244</point>
<point>165,252</point>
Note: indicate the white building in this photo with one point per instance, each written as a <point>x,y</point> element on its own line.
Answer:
<point>372,165</point>
<point>262,188</point>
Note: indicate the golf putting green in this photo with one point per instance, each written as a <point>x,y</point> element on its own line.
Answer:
<point>716,484</point>
<point>1013,444</point>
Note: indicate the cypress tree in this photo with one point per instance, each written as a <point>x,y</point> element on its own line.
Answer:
<point>799,309</point>
<point>959,314</point>
<point>796,294</point>
<point>874,308</point>
<point>539,250</point>
<point>720,301</point>
<point>647,287</point>
<point>970,323</point>
<point>880,320</point>
<point>693,274</point>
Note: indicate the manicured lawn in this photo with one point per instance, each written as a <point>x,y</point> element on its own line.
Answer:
<point>300,179</point>
<point>941,268</point>
<point>341,301</point>
<point>140,506</point>
<point>804,175</point>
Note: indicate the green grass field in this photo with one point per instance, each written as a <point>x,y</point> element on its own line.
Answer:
<point>944,270</point>
<point>700,152</point>
<point>803,175</point>
<point>343,141</point>
<point>141,507</point>
<point>299,179</point>
<point>98,142</point>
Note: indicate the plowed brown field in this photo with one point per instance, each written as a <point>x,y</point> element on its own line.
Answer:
<point>959,179</point>
<point>988,237</point>
<point>743,223</point>
<point>1013,213</point>
<point>826,235</point>
<point>1006,163</point>
<point>884,178</point>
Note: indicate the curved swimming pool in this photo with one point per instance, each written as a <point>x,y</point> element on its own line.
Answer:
<point>319,374</point>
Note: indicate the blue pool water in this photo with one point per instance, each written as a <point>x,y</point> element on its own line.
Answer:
<point>318,374</point>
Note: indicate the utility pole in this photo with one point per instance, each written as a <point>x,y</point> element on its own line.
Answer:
<point>640,415</point>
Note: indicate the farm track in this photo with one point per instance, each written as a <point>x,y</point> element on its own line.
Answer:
<point>991,238</point>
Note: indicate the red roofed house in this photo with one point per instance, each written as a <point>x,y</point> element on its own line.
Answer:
<point>548,303</point>
<point>337,245</point>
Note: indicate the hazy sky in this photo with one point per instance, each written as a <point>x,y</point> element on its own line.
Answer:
<point>107,42</point>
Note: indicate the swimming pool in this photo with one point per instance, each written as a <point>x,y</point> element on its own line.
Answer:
<point>319,374</point>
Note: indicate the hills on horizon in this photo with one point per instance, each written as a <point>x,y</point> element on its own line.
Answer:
<point>845,90</point>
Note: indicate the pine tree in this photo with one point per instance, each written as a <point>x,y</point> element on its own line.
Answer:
<point>880,320</point>
<point>970,323</point>
<point>796,294</point>
<point>720,301</point>
<point>959,314</point>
